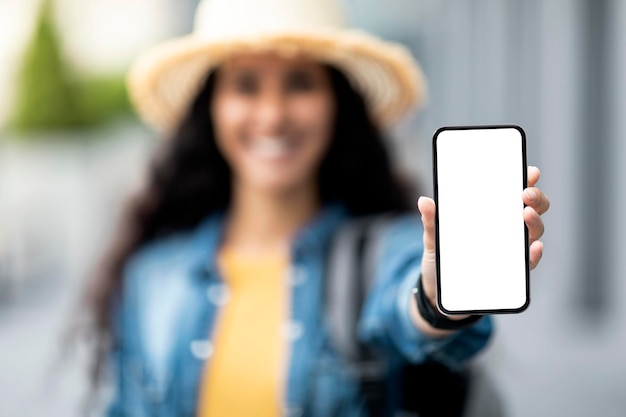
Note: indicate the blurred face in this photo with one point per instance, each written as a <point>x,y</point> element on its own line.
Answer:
<point>273,120</point>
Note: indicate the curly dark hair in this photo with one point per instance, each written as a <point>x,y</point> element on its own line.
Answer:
<point>188,179</point>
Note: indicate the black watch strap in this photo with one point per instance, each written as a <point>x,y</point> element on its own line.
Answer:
<point>433,317</point>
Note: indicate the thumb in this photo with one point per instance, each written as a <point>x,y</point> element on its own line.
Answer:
<point>427,208</point>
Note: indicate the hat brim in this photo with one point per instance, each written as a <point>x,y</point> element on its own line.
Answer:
<point>163,82</point>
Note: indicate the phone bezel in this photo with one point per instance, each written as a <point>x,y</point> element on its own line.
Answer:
<point>441,308</point>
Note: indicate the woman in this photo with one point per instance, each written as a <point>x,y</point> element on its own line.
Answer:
<point>210,300</point>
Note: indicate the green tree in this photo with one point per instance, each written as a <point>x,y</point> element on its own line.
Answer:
<point>50,95</point>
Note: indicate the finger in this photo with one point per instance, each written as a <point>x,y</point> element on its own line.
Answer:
<point>426,206</point>
<point>534,223</point>
<point>536,252</point>
<point>533,175</point>
<point>536,199</point>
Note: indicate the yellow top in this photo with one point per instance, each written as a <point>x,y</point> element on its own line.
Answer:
<point>246,371</point>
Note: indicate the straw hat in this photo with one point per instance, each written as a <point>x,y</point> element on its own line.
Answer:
<point>165,79</point>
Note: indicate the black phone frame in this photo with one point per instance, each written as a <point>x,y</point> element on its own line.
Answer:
<point>526,237</point>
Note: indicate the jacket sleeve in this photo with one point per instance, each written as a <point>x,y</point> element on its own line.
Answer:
<point>386,320</point>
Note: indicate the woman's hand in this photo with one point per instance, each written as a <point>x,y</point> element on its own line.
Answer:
<point>536,204</point>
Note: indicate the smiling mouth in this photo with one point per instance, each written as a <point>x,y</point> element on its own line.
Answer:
<point>272,147</point>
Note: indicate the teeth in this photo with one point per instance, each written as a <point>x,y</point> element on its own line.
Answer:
<point>271,147</point>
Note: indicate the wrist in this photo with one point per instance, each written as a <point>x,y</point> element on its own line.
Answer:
<point>427,308</point>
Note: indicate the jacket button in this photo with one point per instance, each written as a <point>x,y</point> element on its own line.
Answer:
<point>294,411</point>
<point>293,331</point>
<point>297,276</point>
<point>201,349</point>
<point>218,294</point>
<point>155,394</point>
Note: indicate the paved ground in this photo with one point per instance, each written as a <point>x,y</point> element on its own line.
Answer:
<point>34,379</point>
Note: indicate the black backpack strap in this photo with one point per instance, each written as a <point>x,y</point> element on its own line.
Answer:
<point>350,274</point>
<point>351,264</point>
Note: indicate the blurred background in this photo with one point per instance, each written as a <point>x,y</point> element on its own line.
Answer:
<point>71,150</point>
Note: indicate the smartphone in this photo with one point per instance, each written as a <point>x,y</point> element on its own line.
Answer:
<point>481,238</point>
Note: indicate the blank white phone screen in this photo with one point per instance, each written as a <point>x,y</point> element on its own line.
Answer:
<point>481,236</point>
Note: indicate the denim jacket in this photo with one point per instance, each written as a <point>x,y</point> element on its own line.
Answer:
<point>173,291</point>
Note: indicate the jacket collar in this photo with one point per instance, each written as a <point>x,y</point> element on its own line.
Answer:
<point>312,237</point>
